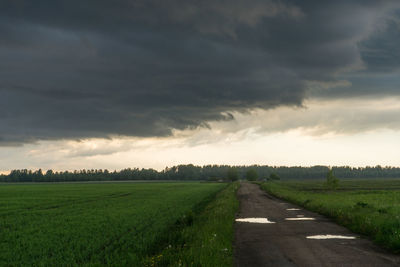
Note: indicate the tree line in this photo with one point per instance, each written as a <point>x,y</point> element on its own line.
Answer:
<point>207,172</point>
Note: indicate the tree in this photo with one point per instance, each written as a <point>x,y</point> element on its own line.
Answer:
<point>251,175</point>
<point>232,174</point>
<point>49,173</point>
<point>274,177</point>
<point>331,181</point>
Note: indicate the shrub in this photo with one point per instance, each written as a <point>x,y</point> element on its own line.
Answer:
<point>274,177</point>
<point>251,175</point>
<point>233,174</point>
<point>332,182</point>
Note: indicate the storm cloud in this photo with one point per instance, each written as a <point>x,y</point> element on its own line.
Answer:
<point>96,68</point>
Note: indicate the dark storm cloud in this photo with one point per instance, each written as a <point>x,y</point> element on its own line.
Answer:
<point>381,51</point>
<point>76,69</point>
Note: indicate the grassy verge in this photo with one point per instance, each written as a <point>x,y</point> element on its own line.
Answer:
<point>373,213</point>
<point>203,239</point>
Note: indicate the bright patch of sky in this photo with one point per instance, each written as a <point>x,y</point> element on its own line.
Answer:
<point>323,132</point>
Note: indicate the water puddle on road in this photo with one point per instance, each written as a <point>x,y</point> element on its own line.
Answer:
<point>300,219</point>
<point>292,209</point>
<point>254,220</point>
<point>330,237</point>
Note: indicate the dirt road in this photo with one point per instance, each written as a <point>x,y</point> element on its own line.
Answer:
<point>284,242</point>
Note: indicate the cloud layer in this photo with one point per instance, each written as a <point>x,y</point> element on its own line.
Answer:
<point>73,70</point>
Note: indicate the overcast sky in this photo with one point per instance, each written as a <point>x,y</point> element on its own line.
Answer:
<point>151,83</point>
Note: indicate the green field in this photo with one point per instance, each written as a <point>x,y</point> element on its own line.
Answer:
<point>111,223</point>
<point>368,207</point>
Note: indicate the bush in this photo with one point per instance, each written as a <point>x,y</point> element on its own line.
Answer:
<point>233,174</point>
<point>274,177</point>
<point>331,181</point>
<point>251,175</point>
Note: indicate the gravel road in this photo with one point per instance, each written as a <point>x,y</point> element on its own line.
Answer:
<point>284,242</point>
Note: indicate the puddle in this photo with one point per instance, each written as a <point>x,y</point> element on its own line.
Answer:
<point>330,237</point>
<point>292,209</point>
<point>254,220</point>
<point>300,219</point>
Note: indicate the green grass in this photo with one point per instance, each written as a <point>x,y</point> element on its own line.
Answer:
<point>348,184</point>
<point>207,238</point>
<point>367,207</point>
<point>99,224</point>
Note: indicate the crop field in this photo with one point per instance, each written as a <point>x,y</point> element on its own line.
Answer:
<point>367,207</point>
<point>107,224</point>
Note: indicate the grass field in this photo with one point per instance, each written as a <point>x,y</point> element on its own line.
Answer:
<point>368,207</point>
<point>108,224</point>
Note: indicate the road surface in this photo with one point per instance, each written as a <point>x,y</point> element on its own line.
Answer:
<point>285,243</point>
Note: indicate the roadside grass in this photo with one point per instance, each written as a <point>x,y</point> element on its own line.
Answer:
<point>346,184</point>
<point>203,239</point>
<point>109,224</point>
<point>373,211</point>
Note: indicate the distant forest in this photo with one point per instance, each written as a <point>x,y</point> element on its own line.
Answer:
<point>191,172</point>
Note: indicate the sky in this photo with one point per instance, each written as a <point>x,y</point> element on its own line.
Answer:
<point>155,83</point>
